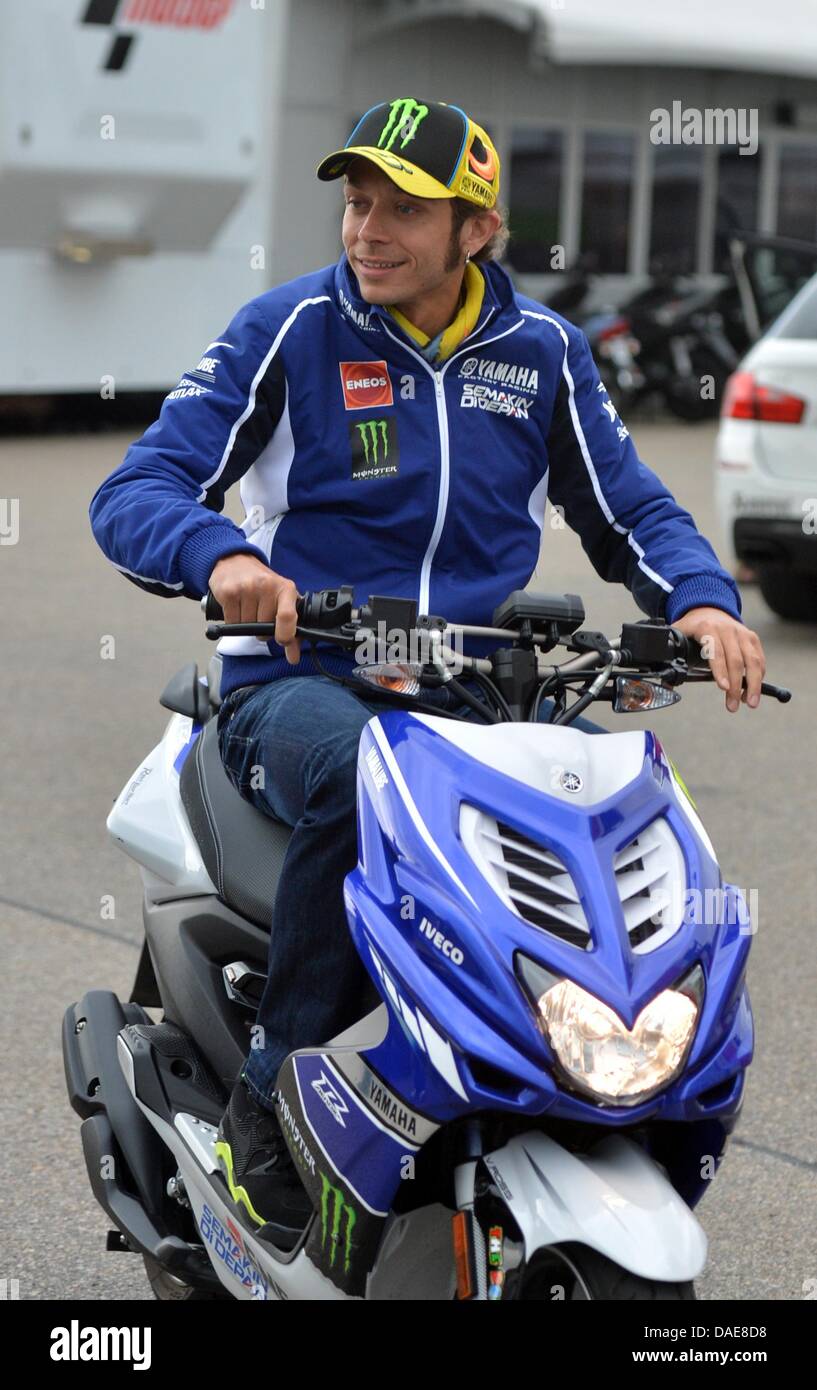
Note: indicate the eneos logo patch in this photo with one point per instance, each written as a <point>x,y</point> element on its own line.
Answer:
<point>365,385</point>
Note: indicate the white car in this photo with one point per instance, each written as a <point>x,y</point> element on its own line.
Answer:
<point>766,457</point>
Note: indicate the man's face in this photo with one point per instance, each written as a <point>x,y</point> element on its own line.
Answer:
<point>400,247</point>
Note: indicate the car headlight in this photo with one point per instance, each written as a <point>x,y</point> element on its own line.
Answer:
<point>597,1053</point>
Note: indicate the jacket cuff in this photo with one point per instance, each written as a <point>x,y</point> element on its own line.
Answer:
<point>202,551</point>
<point>702,591</point>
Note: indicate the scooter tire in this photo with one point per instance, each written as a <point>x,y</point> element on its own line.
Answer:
<point>168,1288</point>
<point>576,1272</point>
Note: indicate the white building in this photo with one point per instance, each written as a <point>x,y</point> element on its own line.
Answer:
<point>567,89</point>
<point>122,258</point>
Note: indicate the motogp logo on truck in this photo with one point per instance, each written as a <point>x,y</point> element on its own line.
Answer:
<point>177,14</point>
<point>184,14</point>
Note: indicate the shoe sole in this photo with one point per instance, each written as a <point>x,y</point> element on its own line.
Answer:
<point>238,1193</point>
<point>282,1238</point>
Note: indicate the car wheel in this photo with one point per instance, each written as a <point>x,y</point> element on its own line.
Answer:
<point>788,594</point>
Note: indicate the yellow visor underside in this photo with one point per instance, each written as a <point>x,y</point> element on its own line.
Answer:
<point>409,177</point>
<point>400,171</point>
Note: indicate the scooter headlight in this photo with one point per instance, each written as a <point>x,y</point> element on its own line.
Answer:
<point>598,1054</point>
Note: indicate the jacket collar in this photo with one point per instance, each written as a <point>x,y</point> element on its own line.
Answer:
<point>369,319</point>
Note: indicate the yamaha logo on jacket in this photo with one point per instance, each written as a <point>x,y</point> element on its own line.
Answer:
<point>360,463</point>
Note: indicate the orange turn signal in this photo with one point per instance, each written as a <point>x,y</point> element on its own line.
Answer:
<point>461,1232</point>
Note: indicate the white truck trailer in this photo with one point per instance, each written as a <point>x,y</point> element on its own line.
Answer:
<point>137,148</point>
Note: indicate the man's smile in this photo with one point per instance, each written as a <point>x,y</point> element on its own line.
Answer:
<point>372,265</point>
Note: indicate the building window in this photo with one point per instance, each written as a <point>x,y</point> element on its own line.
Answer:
<point>737,204</point>
<point>536,177</point>
<point>676,198</point>
<point>609,171</point>
<point>797,192</point>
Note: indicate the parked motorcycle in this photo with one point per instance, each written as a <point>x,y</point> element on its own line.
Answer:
<point>576,283</point>
<point>673,337</point>
<point>547,1085</point>
<point>674,341</point>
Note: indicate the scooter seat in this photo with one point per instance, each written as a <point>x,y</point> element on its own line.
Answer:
<point>243,849</point>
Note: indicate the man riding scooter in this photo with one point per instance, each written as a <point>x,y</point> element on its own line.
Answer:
<point>398,421</point>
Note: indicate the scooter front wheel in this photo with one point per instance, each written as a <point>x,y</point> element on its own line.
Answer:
<point>575,1272</point>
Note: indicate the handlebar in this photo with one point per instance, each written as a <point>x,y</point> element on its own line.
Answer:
<point>211,608</point>
<point>327,608</point>
<point>647,646</point>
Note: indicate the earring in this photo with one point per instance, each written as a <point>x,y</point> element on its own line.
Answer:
<point>467,257</point>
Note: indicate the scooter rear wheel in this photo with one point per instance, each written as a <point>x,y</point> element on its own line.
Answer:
<point>168,1288</point>
<point>575,1272</point>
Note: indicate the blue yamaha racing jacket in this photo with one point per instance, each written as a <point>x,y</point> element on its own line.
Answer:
<point>361,464</point>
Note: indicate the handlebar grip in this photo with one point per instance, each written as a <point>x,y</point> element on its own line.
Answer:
<point>211,608</point>
<point>214,613</point>
<point>695,657</point>
<point>693,653</point>
<point>779,692</point>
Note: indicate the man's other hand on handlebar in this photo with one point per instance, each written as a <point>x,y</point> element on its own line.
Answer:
<point>732,650</point>
<point>250,592</point>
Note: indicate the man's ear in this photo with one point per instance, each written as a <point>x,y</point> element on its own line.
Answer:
<point>486,221</point>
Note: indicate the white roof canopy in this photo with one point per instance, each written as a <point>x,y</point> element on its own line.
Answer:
<point>736,34</point>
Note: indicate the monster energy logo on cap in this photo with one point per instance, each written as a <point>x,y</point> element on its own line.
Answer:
<point>428,148</point>
<point>337,1222</point>
<point>375,452</point>
<point>405,118</point>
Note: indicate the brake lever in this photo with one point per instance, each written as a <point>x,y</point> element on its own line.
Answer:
<point>265,632</point>
<point>679,671</point>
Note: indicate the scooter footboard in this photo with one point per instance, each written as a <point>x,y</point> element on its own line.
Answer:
<point>615,1200</point>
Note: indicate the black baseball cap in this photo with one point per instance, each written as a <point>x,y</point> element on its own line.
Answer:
<point>426,147</point>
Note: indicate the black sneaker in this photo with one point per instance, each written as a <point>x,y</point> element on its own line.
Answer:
<point>258,1166</point>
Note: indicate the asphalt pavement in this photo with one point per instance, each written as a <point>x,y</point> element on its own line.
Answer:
<point>78,722</point>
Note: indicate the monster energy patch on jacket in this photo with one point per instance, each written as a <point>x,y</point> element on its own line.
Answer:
<point>375,450</point>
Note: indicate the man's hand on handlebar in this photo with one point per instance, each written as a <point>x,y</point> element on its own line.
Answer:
<point>250,592</point>
<point>732,650</point>
<point>247,598</point>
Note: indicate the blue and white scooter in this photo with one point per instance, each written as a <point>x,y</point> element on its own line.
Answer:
<point>547,1086</point>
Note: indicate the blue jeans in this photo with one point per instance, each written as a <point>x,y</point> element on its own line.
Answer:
<point>304,732</point>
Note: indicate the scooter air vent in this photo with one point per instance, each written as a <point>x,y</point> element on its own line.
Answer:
<point>533,882</point>
<point>541,888</point>
<point>530,879</point>
<point>650,879</point>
